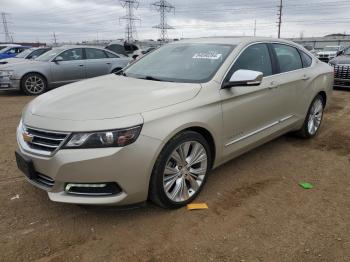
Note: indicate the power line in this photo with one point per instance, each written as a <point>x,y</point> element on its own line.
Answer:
<point>8,36</point>
<point>279,15</point>
<point>163,7</point>
<point>130,18</point>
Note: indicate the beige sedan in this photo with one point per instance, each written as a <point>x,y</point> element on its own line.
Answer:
<point>156,129</point>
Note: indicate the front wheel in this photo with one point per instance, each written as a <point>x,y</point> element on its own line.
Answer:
<point>313,118</point>
<point>180,170</point>
<point>33,84</point>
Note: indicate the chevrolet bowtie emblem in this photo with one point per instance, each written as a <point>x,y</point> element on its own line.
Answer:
<point>27,137</point>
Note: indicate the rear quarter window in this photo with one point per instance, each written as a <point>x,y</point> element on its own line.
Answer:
<point>306,59</point>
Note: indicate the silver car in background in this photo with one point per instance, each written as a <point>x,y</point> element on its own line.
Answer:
<point>30,53</point>
<point>58,67</point>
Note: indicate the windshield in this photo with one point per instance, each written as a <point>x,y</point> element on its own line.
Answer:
<point>24,53</point>
<point>2,47</point>
<point>5,49</point>
<point>50,54</point>
<point>331,48</point>
<point>190,63</point>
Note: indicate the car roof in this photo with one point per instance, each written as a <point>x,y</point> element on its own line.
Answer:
<point>234,40</point>
<point>9,45</point>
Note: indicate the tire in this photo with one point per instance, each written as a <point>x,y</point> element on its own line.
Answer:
<point>313,119</point>
<point>33,84</point>
<point>181,182</point>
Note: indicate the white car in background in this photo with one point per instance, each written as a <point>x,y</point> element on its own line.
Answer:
<point>330,52</point>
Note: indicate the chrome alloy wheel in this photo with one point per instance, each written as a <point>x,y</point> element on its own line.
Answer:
<point>34,84</point>
<point>185,171</point>
<point>315,116</point>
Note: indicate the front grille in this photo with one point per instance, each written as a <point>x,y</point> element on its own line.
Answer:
<point>42,140</point>
<point>342,72</point>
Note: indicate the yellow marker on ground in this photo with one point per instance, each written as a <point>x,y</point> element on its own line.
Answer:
<point>197,206</point>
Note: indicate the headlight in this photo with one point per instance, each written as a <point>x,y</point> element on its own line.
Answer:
<point>4,73</point>
<point>112,138</point>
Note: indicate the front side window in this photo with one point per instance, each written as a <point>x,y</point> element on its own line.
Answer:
<point>92,53</point>
<point>288,58</point>
<point>256,58</point>
<point>72,54</point>
<point>182,62</point>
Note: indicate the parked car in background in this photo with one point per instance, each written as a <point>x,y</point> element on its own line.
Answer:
<point>12,51</point>
<point>3,46</point>
<point>30,53</point>
<point>58,67</point>
<point>329,52</point>
<point>155,130</point>
<point>128,49</point>
<point>341,66</point>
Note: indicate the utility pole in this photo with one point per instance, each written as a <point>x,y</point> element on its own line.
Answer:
<point>255,27</point>
<point>8,36</point>
<point>54,39</point>
<point>163,7</point>
<point>130,30</point>
<point>279,18</point>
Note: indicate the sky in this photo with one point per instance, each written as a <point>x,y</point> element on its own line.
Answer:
<point>77,20</point>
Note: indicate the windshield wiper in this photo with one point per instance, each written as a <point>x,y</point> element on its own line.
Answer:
<point>155,79</point>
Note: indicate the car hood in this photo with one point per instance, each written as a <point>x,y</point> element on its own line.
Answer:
<point>11,60</point>
<point>110,96</point>
<point>343,59</point>
<point>25,63</point>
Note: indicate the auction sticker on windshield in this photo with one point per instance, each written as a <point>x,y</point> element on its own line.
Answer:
<point>213,55</point>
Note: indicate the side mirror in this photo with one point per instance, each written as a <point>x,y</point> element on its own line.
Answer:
<point>244,78</point>
<point>58,59</point>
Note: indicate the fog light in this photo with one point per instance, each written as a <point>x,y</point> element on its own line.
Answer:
<point>86,189</point>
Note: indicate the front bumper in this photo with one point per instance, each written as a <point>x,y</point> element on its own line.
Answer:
<point>7,83</point>
<point>129,167</point>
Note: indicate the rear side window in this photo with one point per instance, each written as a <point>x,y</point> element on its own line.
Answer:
<point>306,59</point>
<point>92,53</point>
<point>255,57</point>
<point>288,58</point>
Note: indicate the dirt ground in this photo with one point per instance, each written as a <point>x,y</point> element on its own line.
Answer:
<point>257,211</point>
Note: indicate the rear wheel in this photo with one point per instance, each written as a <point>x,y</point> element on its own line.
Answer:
<point>180,170</point>
<point>313,118</point>
<point>33,84</point>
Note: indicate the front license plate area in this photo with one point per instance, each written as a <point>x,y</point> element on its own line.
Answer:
<point>25,165</point>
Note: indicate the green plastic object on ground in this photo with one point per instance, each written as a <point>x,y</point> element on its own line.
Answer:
<point>306,185</point>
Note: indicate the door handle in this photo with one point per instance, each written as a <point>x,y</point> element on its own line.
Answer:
<point>305,77</point>
<point>108,63</point>
<point>81,65</point>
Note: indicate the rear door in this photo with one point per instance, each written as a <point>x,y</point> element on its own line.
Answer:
<point>292,78</point>
<point>70,69</point>
<point>97,62</point>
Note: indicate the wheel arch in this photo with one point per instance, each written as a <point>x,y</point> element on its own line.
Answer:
<point>34,72</point>
<point>323,94</point>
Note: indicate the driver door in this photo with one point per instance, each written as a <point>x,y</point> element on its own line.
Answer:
<point>70,68</point>
<point>250,113</point>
